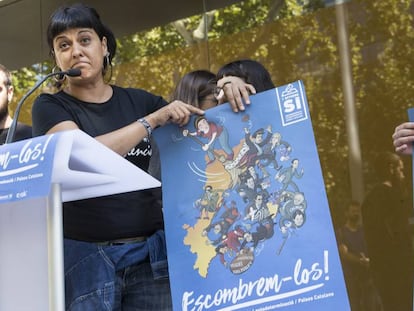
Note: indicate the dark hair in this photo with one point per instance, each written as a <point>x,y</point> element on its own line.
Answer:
<point>80,16</point>
<point>8,75</point>
<point>250,71</point>
<point>194,87</point>
<point>384,163</point>
<point>352,203</point>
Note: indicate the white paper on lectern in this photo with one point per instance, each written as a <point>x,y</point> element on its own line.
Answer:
<point>85,168</point>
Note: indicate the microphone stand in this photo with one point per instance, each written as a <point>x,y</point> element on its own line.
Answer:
<point>12,129</point>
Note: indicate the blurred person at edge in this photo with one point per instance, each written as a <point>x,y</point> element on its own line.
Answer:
<point>23,131</point>
<point>355,262</point>
<point>386,210</point>
<point>114,246</point>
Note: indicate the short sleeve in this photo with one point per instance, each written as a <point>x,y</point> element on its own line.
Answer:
<point>46,113</point>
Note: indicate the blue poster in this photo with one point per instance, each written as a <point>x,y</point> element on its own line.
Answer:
<point>26,168</point>
<point>247,219</point>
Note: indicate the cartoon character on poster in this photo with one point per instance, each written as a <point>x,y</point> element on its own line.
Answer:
<point>244,204</point>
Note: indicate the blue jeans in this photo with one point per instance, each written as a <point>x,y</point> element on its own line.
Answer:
<point>128,277</point>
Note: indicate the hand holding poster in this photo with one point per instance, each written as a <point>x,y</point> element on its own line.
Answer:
<point>246,215</point>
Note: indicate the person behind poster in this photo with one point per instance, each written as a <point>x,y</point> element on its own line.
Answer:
<point>23,131</point>
<point>385,213</point>
<point>355,262</point>
<point>245,70</point>
<point>197,88</point>
<point>234,83</point>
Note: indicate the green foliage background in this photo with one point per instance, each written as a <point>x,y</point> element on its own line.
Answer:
<point>294,40</point>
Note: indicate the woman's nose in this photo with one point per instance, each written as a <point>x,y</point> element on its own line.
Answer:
<point>76,50</point>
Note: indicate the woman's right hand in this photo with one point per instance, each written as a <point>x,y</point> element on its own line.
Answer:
<point>403,138</point>
<point>176,112</point>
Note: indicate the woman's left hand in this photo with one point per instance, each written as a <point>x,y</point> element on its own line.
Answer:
<point>235,91</point>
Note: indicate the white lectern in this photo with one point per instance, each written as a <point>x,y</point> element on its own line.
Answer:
<point>36,176</point>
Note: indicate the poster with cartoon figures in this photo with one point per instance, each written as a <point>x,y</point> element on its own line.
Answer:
<point>247,220</point>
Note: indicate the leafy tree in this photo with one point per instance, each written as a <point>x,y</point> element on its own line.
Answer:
<point>294,39</point>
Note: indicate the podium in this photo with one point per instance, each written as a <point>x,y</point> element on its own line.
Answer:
<point>36,176</point>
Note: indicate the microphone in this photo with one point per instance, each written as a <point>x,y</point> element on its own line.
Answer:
<point>74,72</point>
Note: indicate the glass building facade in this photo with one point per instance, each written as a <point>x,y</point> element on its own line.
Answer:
<point>355,59</point>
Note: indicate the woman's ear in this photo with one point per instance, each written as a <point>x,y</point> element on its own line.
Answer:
<point>104,46</point>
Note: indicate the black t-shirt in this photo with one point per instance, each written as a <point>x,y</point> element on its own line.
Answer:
<point>385,213</point>
<point>116,216</point>
<point>23,131</point>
